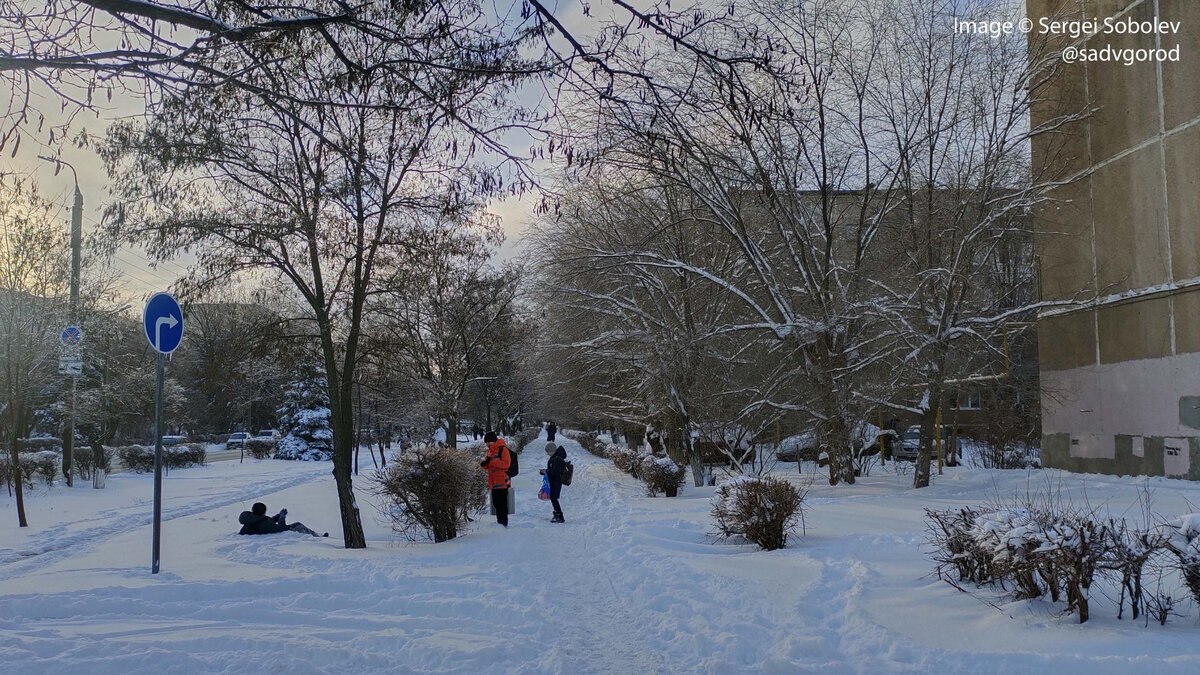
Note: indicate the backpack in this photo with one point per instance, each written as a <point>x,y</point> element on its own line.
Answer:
<point>513,467</point>
<point>568,472</point>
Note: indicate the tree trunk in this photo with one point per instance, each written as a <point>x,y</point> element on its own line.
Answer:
<point>837,441</point>
<point>342,421</point>
<point>18,479</point>
<point>452,432</point>
<point>925,453</point>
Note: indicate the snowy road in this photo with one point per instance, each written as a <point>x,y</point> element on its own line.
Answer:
<point>629,584</point>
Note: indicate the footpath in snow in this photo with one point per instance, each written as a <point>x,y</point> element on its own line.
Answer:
<point>629,584</point>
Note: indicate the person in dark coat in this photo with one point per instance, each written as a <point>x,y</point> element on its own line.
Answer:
<point>554,471</point>
<point>256,521</point>
<point>551,429</point>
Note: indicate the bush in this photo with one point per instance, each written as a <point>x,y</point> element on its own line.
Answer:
<point>41,443</point>
<point>260,448</point>
<point>42,465</point>
<point>85,460</point>
<point>6,472</point>
<point>1011,455</point>
<point>764,510</point>
<point>1041,548</point>
<point>1184,543</point>
<point>296,448</point>
<point>518,442</point>
<point>189,454</point>
<point>589,440</point>
<point>432,492</point>
<point>662,476</point>
<point>625,459</point>
<point>137,458</point>
<point>140,458</point>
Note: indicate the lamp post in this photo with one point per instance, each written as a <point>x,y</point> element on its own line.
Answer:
<point>73,318</point>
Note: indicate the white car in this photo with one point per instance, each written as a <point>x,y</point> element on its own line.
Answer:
<point>237,440</point>
<point>268,435</point>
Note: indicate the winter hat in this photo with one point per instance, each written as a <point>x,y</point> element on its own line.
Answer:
<point>489,437</point>
<point>259,509</point>
<point>550,448</point>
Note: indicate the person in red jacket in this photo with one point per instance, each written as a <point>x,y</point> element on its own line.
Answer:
<point>496,464</point>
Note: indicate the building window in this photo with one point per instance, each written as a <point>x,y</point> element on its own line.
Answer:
<point>969,401</point>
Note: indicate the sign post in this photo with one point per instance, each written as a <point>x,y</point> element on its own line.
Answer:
<point>162,320</point>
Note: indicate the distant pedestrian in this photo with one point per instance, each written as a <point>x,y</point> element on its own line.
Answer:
<point>554,472</point>
<point>496,464</point>
<point>256,521</point>
<point>551,429</point>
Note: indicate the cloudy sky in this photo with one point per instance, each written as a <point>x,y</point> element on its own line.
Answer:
<point>141,277</point>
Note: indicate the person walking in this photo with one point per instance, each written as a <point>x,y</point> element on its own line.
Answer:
<point>496,464</point>
<point>554,472</point>
<point>551,429</point>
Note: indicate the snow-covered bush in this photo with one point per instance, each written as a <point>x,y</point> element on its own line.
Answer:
<point>140,458</point>
<point>304,420</point>
<point>260,448</point>
<point>39,443</point>
<point>625,459</point>
<point>85,460</point>
<point>41,465</point>
<point>762,509</point>
<point>590,440</point>
<point>189,454</point>
<point>1047,547</point>
<point>521,439</point>
<point>137,458</point>
<point>661,476</point>
<point>432,492</point>
<point>1184,542</point>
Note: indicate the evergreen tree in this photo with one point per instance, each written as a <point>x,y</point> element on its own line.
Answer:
<point>304,419</point>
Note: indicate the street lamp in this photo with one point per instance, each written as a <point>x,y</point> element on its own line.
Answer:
<point>76,238</point>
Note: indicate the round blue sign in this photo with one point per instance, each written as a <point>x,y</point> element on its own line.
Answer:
<point>163,321</point>
<point>71,336</point>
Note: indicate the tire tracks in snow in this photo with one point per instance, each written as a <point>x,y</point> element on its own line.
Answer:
<point>50,546</point>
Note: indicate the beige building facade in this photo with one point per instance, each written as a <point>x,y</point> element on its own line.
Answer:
<point>1120,365</point>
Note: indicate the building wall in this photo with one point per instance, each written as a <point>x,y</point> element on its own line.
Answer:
<point>1121,369</point>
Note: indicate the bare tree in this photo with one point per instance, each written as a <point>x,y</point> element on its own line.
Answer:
<point>330,201</point>
<point>859,200</point>
<point>451,327</point>
<point>33,284</point>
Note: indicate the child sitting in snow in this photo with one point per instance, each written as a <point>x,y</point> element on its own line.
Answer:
<point>256,521</point>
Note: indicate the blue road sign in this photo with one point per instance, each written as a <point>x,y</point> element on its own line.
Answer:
<point>71,336</point>
<point>163,321</point>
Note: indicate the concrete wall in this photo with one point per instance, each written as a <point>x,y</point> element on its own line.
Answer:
<point>1121,370</point>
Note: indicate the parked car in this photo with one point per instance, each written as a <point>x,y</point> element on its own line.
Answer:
<point>910,443</point>
<point>173,440</point>
<point>268,435</point>
<point>237,440</point>
<point>800,447</point>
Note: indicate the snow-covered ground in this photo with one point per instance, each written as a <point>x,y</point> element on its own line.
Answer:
<point>629,584</point>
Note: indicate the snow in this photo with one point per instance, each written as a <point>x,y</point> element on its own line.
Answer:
<point>630,584</point>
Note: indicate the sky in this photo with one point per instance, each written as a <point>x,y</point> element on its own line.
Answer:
<point>141,277</point>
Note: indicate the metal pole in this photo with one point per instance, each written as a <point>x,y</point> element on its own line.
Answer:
<point>76,239</point>
<point>158,452</point>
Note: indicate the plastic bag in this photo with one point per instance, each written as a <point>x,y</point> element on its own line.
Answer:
<point>544,493</point>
